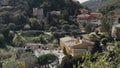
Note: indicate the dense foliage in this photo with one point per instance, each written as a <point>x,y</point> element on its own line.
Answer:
<point>103,5</point>
<point>19,25</point>
<point>17,15</point>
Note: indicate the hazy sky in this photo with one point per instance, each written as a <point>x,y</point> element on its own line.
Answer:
<point>81,1</point>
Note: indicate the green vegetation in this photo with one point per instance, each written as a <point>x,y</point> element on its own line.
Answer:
<point>19,40</point>
<point>110,5</point>
<point>7,54</point>
<point>117,46</point>
<point>46,59</point>
<point>10,57</point>
<point>2,40</point>
<point>104,59</point>
<point>44,39</point>
<point>94,5</point>
<point>19,25</point>
<point>17,15</point>
<point>104,5</point>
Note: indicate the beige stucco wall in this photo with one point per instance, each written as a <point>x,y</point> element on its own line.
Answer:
<point>76,52</point>
<point>68,49</point>
<point>77,49</point>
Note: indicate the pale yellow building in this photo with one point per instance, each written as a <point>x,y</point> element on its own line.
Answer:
<point>75,46</point>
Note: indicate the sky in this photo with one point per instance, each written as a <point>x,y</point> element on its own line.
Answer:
<point>81,1</point>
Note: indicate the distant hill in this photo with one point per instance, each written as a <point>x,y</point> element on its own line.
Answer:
<point>111,5</point>
<point>93,4</point>
<point>102,5</point>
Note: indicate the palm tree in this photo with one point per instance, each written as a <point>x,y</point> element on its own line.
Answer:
<point>19,39</point>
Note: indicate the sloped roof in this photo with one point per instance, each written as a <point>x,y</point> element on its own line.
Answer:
<point>70,41</point>
<point>95,14</point>
<point>82,10</point>
<point>83,16</point>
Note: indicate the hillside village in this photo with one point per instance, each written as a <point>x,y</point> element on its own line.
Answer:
<point>58,34</point>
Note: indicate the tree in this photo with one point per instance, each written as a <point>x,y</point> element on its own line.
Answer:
<point>12,2</point>
<point>66,27</point>
<point>18,39</point>
<point>68,61</point>
<point>119,20</point>
<point>5,17</point>
<point>34,23</point>
<point>104,41</point>
<point>56,35</point>
<point>74,27</point>
<point>97,32</point>
<point>21,64</point>
<point>88,28</point>
<point>117,46</point>
<point>27,27</point>
<point>46,59</point>
<point>96,48</point>
<point>74,33</point>
<point>11,26</point>
<point>44,39</point>
<point>52,29</point>
<point>62,21</point>
<point>10,37</point>
<point>36,3</point>
<point>20,19</point>
<point>65,14</point>
<point>106,25</point>
<point>2,40</point>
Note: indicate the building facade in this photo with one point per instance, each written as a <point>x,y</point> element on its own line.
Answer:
<point>75,46</point>
<point>38,12</point>
<point>116,31</point>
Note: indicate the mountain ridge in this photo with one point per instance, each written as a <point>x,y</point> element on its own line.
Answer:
<point>102,4</point>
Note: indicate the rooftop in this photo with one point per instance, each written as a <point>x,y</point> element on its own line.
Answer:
<point>118,25</point>
<point>83,16</point>
<point>34,44</point>
<point>83,10</point>
<point>95,14</point>
<point>55,12</point>
<point>70,41</point>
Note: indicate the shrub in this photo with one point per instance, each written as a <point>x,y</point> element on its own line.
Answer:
<point>46,59</point>
<point>52,29</point>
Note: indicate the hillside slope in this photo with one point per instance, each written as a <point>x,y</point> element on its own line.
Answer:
<point>111,5</point>
<point>93,4</point>
<point>102,4</point>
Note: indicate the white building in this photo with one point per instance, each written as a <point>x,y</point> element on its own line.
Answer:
<point>55,12</point>
<point>116,19</point>
<point>116,31</point>
<point>38,12</point>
